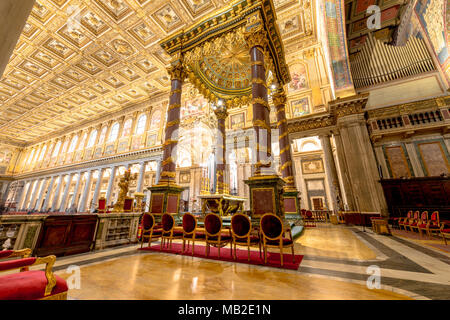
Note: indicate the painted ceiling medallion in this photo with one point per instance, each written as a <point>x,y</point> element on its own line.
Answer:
<point>122,47</point>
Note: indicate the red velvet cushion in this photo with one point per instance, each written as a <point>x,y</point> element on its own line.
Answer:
<point>188,223</point>
<point>29,285</point>
<point>240,224</point>
<point>413,224</point>
<point>309,214</point>
<point>286,241</point>
<point>212,223</point>
<point>167,222</point>
<point>198,235</point>
<point>5,253</point>
<point>176,233</point>
<point>422,225</point>
<point>17,263</point>
<point>446,230</point>
<point>271,226</point>
<point>148,221</point>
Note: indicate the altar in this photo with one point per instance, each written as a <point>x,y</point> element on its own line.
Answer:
<point>222,204</point>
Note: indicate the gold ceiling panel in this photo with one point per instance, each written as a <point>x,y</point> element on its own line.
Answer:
<point>77,59</point>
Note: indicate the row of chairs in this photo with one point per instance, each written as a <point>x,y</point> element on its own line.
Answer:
<point>421,222</point>
<point>271,233</point>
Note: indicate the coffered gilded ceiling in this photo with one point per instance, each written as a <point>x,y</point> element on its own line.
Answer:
<point>78,59</point>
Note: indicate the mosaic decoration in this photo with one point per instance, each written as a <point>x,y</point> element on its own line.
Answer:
<point>432,17</point>
<point>300,107</point>
<point>337,43</point>
<point>299,78</point>
<point>194,107</point>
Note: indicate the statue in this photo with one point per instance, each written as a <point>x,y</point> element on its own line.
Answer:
<point>123,185</point>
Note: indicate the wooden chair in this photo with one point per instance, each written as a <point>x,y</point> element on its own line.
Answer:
<point>190,232</point>
<point>272,231</point>
<point>30,285</point>
<point>214,236</point>
<point>401,221</point>
<point>149,230</point>
<point>169,231</point>
<point>241,232</point>
<point>309,219</point>
<point>423,220</point>
<point>102,205</point>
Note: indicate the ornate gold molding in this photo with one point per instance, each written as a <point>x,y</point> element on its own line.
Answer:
<point>279,100</point>
<point>177,72</point>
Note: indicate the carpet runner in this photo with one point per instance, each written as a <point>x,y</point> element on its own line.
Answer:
<point>273,258</point>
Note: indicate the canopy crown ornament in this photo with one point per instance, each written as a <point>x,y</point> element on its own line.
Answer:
<point>215,52</point>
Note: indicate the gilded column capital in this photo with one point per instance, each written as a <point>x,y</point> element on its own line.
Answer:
<point>256,38</point>
<point>279,98</point>
<point>177,72</point>
<point>221,114</point>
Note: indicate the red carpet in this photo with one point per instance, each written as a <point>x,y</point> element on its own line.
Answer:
<point>273,258</point>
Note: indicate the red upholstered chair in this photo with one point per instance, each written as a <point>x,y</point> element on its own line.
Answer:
<point>309,218</point>
<point>30,285</point>
<point>101,205</point>
<point>128,204</point>
<point>272,231</point>
<point>190,232</point>
<point>169,231</point>
<point>214,234</point>
<point>149,229</point>
<point>421,221</point>
<point>241,232</point>
<point>445,232</point>
<point>433,225</point>
<point>409,221</point>
<point>401,221</point>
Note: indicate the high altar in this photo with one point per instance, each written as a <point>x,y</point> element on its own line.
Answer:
<point>251,70</point>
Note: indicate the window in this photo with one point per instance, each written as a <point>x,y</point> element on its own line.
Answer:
<point>64,148</point>
<point>126,128</point>
<point>56,151</point>
<point>82,142</point>
<point>92,138</point>
<point>114,132</point>
<point>36,155</point>
<point>30,156</point>
<point>141,124</point>
<point>41,156</point>
<point>101,140</point>
<point>73,143</point>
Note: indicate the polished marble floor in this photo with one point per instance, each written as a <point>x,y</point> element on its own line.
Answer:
<point>336,265</point>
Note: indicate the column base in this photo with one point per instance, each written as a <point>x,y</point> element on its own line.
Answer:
<point>165,198</point>
<point>266,195</point>
<point>291,201</point>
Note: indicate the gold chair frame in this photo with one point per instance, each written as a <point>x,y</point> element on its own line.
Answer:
<point>193,233</point>
<point>150,237</point>
<point>170,237</point>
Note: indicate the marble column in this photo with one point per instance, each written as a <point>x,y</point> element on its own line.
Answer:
<point>257,40</point>
<point>158,171</point>
<point>177,76</point>
<point>75,192</point>
<point>361,164</point>
<point>41,195</point>
<point>34,194</point>
<point>49,191</point>
<point>57,192</point>
<point>110,184</point>
<point>221,161</point>
<point>331,172</point>
<point>140,181</point>
<point>97,189</point>
<point>62,206</point>
<point>347,190</point>
<point>279,101</point>
<point>87,188</point>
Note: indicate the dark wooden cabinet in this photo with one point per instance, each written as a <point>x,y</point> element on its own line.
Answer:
<point>427,193</point>
<point>66,234</point>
